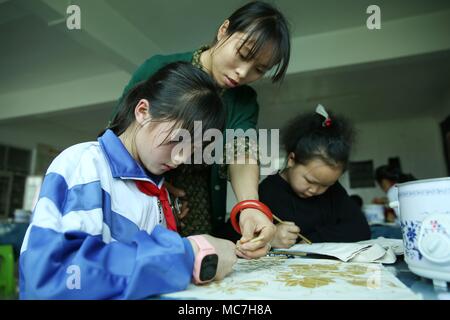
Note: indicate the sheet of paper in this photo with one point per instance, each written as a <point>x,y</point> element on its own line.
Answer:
<point>301,278</point>
<point>396,245</point>
<point>377,250</point>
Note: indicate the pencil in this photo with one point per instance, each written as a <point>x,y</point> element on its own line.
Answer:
<point>253,240</point>
<point>298,234</point>
<point>257,239</point>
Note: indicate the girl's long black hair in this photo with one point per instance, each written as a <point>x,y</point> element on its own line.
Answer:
<point>178,91</point>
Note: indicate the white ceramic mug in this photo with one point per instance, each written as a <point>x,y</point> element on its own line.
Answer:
<point>424,207</point>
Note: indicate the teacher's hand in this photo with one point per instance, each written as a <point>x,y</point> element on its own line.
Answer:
<point>254,223</point>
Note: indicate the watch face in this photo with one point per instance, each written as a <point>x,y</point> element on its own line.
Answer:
<point>208,268</point>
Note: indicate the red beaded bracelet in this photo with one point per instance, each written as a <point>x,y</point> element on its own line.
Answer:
<point>248,204</point>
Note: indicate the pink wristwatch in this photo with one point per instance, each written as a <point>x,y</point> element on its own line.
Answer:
<point>206,260</point>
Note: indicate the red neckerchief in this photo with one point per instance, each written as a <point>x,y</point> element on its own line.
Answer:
<point>152,190</point>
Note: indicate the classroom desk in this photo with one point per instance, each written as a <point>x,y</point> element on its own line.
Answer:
<point>419,285</point>
<point>416,283</point>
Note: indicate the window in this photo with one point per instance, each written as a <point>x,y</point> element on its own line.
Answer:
<point>361,174</point>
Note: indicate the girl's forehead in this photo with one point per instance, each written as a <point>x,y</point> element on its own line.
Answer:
<point>318,164</point>
<point>322,172</point>
<point>164,129</point>
<point>174,130</point>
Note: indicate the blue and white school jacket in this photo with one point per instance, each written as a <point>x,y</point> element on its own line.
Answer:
<point>94,235</point>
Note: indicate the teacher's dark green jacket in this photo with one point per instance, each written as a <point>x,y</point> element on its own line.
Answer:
<point>242,113</point>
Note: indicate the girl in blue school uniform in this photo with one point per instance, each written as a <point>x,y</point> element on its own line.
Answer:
<point>306,194</point>
<point>103,226</point>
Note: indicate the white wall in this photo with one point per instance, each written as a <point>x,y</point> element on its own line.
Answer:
<point>35,132</point>
<point>416,141</point>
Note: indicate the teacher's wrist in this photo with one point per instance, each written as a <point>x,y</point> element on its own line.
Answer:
<point>248,204</point>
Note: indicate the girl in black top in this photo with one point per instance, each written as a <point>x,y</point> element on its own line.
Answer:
<point>307,194</point>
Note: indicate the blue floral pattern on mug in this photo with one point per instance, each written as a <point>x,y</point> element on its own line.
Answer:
<point>410,231</point>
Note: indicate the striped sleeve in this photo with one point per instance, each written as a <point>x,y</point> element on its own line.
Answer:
<point>64,255</point>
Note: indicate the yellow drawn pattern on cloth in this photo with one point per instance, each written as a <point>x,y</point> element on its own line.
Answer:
<point>318,275</point>
<point>305,275</point>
